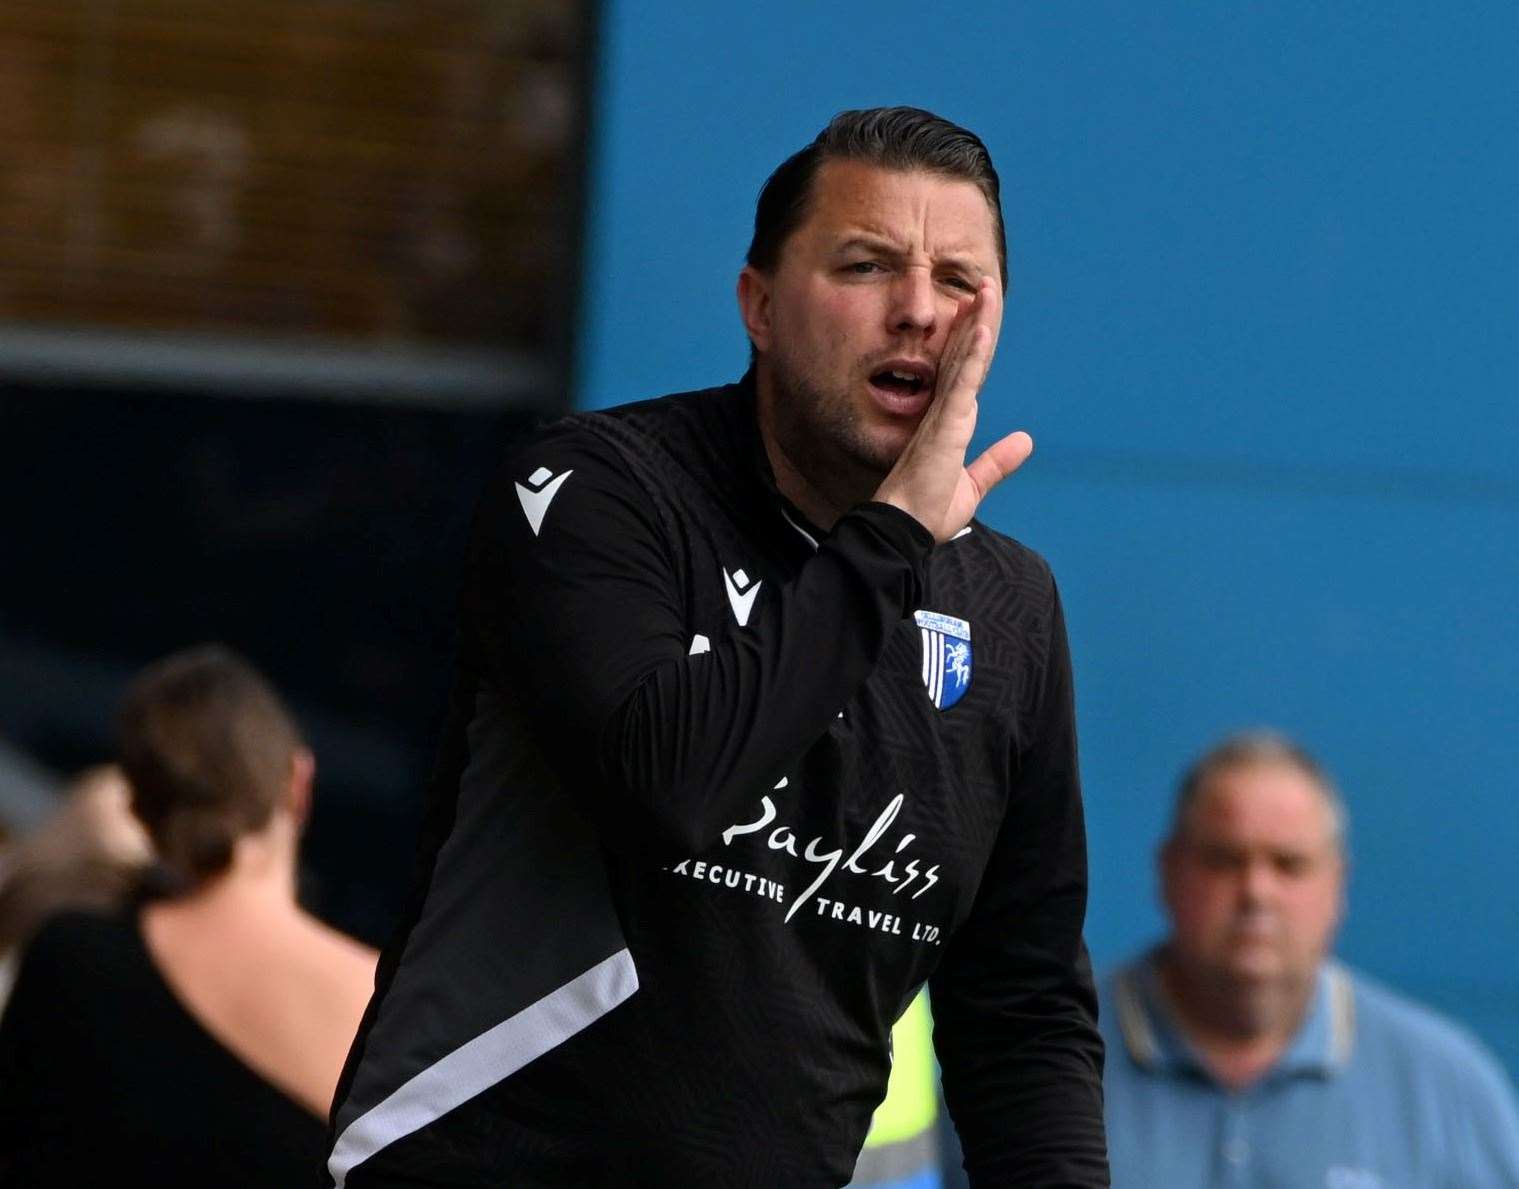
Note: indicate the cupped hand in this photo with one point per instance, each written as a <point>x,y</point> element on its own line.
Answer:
<point>931,481</point>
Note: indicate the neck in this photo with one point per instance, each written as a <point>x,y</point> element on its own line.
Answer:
<point>823,487</point>
<point>262,876</point>
<point>1240,1029</point>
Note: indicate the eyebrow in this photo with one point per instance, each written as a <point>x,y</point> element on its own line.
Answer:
<point>875,243</point>
<point>878,243</point>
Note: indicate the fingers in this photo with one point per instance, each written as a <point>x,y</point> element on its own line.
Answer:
<point>990,313</point>
<point>998,461</point>
<point>968,351</point>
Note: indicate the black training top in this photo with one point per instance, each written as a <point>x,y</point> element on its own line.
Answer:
<point>106,1079</point>
<point>721,791</point>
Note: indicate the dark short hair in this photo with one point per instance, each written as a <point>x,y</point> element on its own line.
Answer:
<point>1249,749</point>
<point>900,138</point>
<point>206,745</point>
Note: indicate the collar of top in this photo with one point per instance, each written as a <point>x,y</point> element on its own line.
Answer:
<point>1156,1042</point>
<point>746,419</point>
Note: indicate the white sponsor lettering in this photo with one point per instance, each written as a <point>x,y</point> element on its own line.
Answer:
<point>783,838</point>
<point>731,877</point>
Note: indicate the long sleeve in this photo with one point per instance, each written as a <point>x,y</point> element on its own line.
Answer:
<point>1014,1006</point>
<point>584,617</point>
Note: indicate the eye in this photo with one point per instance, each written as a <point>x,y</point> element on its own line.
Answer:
<point>1292,866</point>
<point>863,268</point>
<point>1219,858</point>
<point>956,281</point>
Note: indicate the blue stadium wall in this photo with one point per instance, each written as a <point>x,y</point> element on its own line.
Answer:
<point>1263,329</point>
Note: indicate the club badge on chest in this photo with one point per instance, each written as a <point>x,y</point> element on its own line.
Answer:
<point>946,656</point>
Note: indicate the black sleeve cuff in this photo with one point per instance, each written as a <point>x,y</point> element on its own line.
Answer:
<point>901,529</point>
<point>888,532</point>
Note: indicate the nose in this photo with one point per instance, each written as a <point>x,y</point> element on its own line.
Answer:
<point>913,306</point>
<point>1257,882</point>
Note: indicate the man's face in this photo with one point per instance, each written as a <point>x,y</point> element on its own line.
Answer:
<point>1253,881</point>
<point>849,327</point>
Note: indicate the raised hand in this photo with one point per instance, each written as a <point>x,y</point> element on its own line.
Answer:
<point>931,481</point>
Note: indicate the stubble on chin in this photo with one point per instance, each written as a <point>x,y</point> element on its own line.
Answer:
<point>822,435</point>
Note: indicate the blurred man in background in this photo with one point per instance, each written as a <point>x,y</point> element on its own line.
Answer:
<point>1240,1053</point>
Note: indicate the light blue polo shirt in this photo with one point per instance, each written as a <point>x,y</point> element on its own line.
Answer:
<point>1374,1092</point>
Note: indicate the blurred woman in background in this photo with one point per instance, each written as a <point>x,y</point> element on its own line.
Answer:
<point>198,1037</point>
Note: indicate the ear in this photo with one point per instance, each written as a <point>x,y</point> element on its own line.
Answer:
<point>302,777</point>
<point>754,306</point>
<point>1165,869</point>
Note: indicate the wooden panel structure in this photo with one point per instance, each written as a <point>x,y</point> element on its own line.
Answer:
<point>371,171</point>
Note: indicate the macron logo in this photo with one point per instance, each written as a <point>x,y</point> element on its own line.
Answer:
<point>740,595</point>
<point>543,485</point>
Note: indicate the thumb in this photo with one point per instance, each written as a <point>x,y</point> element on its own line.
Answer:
<point>998,461</point>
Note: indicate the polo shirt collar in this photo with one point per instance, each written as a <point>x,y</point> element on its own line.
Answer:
<point>1154,1039</point>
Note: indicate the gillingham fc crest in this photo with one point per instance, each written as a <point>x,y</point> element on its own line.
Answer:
<point>946,656</point>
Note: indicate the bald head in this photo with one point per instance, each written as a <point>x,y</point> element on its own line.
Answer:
<point>1261,750</point>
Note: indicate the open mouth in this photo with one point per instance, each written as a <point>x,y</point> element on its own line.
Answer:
<point>903,386</point>
<point>903,383</point>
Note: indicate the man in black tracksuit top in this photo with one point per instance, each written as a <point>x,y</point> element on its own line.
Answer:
<point>755,731</point>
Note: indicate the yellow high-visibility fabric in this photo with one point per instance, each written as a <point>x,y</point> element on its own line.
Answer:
<point>911,1105</point>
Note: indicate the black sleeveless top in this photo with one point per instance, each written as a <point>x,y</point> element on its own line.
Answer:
<point>106,1078</point>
